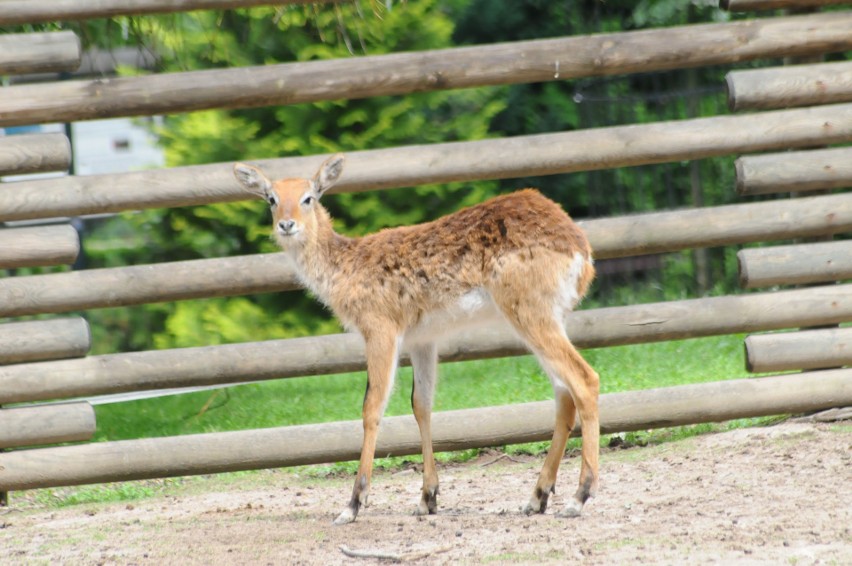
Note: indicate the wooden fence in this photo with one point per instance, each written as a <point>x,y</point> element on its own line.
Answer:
<point>798,85</point>
<point>34,153</point>
<point>403,73</point>
<point>39,52</point>
<point>807,349</point>
<point>795,265</point>
<point>45,359</point>
<point>799,171</point>
<point>38,246</point>
<point>611,238</point>
<point>754,5</point>
<point>594,328</point>
<point>38,11</point>
<point>544,154</point>
<point>399,436</point>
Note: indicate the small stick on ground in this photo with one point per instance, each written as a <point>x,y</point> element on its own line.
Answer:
<point>498,458</point>
<point>828,416</point>
<point>391,556</point>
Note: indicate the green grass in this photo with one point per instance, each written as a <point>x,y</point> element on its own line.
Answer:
<point>338,397</point>
<point>461,385</point>
<point>106,493</point>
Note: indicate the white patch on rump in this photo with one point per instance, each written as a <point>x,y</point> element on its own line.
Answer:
<point>392,376</point>
<point>569,286</point>
<point>474,309</point>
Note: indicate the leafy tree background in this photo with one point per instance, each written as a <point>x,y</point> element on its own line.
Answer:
<point>266,35</point>
<point>271,35</point>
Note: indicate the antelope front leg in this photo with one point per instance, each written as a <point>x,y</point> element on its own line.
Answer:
<point>381,353</point>
<point>424,360</point>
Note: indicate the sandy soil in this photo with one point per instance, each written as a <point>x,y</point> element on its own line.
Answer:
<point>776,495</point>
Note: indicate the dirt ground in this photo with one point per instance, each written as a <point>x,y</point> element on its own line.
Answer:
<point>774,495</point>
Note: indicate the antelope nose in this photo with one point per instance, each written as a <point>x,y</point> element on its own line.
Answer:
<point>286,226</point>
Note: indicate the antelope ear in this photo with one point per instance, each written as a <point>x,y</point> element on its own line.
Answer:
<point>252,179</point>
<point>329,172</point>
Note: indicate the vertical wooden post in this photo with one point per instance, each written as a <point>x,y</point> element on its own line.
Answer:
<point>4,495</point>
<point>805,60</point>
<point>700,256</point>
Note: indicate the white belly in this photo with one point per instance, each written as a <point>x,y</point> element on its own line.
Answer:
<point>474,309</point>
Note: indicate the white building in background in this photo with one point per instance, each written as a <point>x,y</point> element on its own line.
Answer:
<point>115,146</point>
<point>103,146</point>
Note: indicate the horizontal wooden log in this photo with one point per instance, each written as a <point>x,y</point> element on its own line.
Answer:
<point>46,424</point>
<point>398,436</point>
<point>795,171</point>
<point>35,246</point>
<point>38,53</point>
<point>34,153</point>
<point>403,73</point>
<point>785,87</point>
<point>17,12</point>
<point>756,5</point>
<point>140,284</point>
<point>610,237</point>
<point>96,63</point>
<point>233,363</point>
<point>807,349</point>
<point>545,154</point>
<point>35,340</point>
<point>674,230</point>
<point>795,265</point>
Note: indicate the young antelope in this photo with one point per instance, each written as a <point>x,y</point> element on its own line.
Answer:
<point>517,258</point>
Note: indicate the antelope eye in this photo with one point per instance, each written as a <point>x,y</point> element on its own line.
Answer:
<point>307,200</point>
<point>272,200</point>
